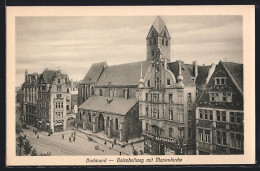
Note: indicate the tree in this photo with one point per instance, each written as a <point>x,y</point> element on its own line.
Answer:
<point>34,152</point>
<point>20,143</point>
<point>27,147</point>
<point>18,128</point>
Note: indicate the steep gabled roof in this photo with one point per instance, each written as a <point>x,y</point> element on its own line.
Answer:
<point>174,68</point>
<point>158,24</point>
<point>236,72</point>
<point>123,75</point>
<point>48,75</point>
<point>100,104</point>
<point>94,73</point>
<point>203,72</point>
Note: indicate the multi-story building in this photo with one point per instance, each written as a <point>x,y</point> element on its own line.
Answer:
<point>166,98</point>
<point>54,100</point>
<point>30,96</point>
<point>219,112</point>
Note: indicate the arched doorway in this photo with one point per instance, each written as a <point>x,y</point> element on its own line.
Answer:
<point>100,122</point>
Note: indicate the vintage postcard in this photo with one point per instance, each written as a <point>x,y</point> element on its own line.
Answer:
<point>157,85</point>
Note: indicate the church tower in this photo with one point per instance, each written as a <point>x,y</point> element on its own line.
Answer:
<point>158,36</point>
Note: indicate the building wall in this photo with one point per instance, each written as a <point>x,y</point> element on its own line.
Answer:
<point>128,126</point>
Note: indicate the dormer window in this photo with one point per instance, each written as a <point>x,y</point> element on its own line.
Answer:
<point>220,80</point>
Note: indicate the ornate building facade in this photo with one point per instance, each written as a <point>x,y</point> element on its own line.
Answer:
<point>219,112</point>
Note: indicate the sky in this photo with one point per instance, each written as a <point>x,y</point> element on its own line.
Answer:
<point>72,44</point>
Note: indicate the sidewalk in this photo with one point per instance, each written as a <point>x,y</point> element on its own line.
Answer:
<point>101,138</point>
<point>104,137</point>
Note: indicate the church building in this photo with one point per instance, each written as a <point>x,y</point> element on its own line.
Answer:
<point>155,97</point>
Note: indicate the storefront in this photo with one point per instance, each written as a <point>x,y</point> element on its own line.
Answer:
<point>156,145</point>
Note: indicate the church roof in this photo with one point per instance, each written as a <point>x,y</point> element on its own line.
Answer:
<point>100,104</point>
<point>174,68</point>
<point>236,71</point>
<point>94,73</point>
<point>123,75</point>
<point>158,24</point>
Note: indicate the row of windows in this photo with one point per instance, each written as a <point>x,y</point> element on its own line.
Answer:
<point>220,80</point>
<point>221,97</point>
<point>59,114</point>
<point>160,132</point>
<point>59,104</point>
<point>235,117</point>
<point>155,113</point>
<point>155,97</point>
<point>206,114</point>
<point>234,139</point>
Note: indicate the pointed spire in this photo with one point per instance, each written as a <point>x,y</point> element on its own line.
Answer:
<point>158,24</point>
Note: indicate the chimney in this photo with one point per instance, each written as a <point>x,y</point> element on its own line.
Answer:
<point>195,68</point>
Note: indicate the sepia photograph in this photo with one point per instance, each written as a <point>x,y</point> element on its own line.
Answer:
<point>108,88</point>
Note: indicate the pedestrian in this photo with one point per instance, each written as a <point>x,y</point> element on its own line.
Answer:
<point>105,142</point>
<point>115,141</point>
<point>112,145</point>
<point>24,136</point>
<point>33,131</point>
<point>74,138</point>
<point>141,150</point>
<point>38,135</point>
<point>62,136</point>
<point>120,152</point>
<point>69,139</point>
<point>74,133</point>
<point>36,132</point>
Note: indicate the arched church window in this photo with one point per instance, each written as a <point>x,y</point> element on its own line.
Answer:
<point>116,121</point>
<point>92,90</point>
<point>89,117</point>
